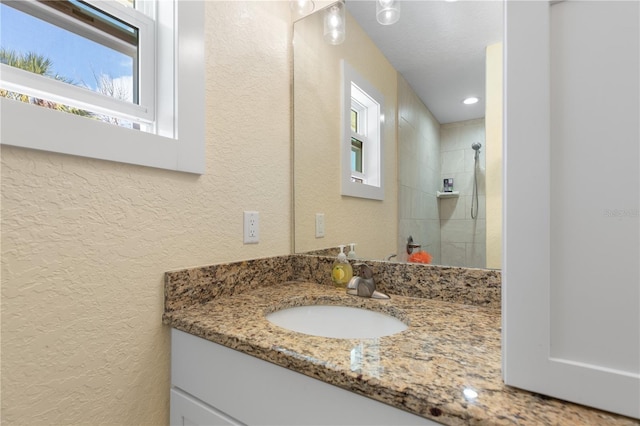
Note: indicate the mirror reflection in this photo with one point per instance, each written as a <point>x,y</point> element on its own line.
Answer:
<point>441,159</point>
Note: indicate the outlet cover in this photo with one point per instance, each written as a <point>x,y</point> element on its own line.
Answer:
<point>251,227</point>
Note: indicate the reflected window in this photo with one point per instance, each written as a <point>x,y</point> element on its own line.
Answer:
<point>362,142</point>
<point>356,156</point>
<point>354,120</point>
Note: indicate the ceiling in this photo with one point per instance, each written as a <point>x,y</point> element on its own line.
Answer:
<point>439,48</point>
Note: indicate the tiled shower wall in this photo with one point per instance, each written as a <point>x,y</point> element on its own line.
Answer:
<point>418,174</point>
<point>462,239</point>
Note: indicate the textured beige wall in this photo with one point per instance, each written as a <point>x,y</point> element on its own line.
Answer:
<point>85,242</point>
<point>371,224</point>
<point>493,122</point>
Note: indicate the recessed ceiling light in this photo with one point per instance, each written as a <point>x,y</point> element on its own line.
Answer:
<point>471,100</point>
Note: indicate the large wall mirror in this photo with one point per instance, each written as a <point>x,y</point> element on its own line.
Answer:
<point>423,66</point>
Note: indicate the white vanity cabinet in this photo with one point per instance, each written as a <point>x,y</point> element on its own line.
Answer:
<point>188,411</point>
<point>214,385</point>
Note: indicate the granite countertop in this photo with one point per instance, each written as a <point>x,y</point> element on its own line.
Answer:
<point>446,366</point>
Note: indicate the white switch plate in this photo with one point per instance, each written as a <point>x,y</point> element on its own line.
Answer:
<point>251,227</point>
<point>319,225</point>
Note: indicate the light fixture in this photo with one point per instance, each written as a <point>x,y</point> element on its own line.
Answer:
<point>334,23</point>
<point>470,100</point>
<point>387,11</point>
<point>302,7</point>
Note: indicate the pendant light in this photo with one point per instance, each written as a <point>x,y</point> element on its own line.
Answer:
<point>302,7</point>
<point>334,23</point>
<point>387,11</point>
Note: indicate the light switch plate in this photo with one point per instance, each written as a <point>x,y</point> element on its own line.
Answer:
<point>319,225</point>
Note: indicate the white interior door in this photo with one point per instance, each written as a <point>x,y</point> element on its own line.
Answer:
<point>571,277</point>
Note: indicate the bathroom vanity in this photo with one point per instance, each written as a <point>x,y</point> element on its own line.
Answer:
<point>215,385</point>
<point>230,365</point>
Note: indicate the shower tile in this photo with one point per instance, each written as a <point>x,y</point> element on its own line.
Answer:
<point>462,182</point>
<point>431,206</point>
<point>482,207</point>
<point>453,254</point>
<point>404,202</point>
<point>472,131</point>
<point>430,180</point>
<point>475,254</point>
<point>480,231</point>
<point>429,129</point>
<point>425,152</point>
<point>463,231</point>
<point>453,231</point>
<point>433,154</point>
<point>409,172</point>
<point>448,138</point>
<point>406,103</point>
<point>435,253</point>
<point>451,161</point>
<point>466,133</point>
<point>470,162</point>
<point>451,208</point>
<point>419,206</point>
<point>408,137</point>
<point>431,233</point>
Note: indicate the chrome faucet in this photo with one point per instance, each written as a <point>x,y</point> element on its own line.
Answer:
<point>363,285</point>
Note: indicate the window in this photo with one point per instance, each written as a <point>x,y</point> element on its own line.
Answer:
<point>99,62</point>
<point>136,64</point>
<point>362,139</point>
<point>358,116</point>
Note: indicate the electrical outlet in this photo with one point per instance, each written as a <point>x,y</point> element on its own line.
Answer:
<point>251,227</point>
<point>319,225</point>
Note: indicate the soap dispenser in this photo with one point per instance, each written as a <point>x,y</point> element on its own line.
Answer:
<point>342,271</point>
<point>352,251</point>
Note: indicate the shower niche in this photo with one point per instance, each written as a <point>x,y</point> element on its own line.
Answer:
<point>452,194</point>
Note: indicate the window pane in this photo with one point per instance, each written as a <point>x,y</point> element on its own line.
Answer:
<point>354,120</point>
<point>129,3</point>
<point>102,58</point>
<point>356,155</point>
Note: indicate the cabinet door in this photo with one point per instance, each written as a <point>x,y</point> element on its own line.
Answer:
<point>571,282</point>
<point>188,411</point>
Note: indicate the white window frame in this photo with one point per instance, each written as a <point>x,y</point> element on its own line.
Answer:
<point>28,83</point>
<point>369,101</point>
<point>177,138</point>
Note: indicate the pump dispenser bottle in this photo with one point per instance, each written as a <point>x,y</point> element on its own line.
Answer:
<point>352,251</point>
<point>342,271</point>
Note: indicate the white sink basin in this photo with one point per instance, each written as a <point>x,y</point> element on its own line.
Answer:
<point>340,322</point>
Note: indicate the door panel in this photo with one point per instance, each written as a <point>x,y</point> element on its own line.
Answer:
<point>571,296</point>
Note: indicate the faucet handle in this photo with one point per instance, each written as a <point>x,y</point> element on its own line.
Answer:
<point>363,284</point>
<point>411,245</point>
<point>365,270</point>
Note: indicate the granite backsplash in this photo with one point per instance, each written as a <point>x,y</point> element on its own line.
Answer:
<point>469,286</point>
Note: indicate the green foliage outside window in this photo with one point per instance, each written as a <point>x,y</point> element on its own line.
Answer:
<point>37,64</point>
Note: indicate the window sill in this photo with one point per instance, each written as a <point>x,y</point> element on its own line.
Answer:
<point>31,126</point>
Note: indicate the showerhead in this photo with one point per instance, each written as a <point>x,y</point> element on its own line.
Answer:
<point>476,147</point>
